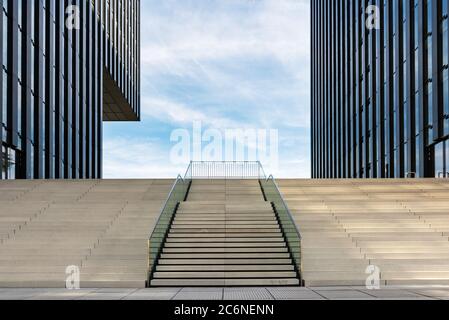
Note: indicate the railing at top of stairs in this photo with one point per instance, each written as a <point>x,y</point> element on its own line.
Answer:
<point>225,170</point>
<point>178,193</point>
<point>289,227</point>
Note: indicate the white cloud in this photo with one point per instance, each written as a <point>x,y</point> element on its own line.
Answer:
<point>173,39</point>
<point>179,114</point>
<point>226,63</point>
<point>137,159</point>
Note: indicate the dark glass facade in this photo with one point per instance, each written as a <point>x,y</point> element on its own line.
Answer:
<point>67,66</point>
<point>380,96</point>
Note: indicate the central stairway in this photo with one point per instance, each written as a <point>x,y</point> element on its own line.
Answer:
<point>225,234</point>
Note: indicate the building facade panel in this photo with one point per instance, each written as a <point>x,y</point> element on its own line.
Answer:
<point>380,95</point>
<point>67,66</point>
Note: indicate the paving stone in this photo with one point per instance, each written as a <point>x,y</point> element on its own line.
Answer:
<point>247,294</point>
<point>392,293</point>
<point>152,295</point>
<point>104,296</point>
<point>294,294</point>
<point>200,294</point>
<point>343,294</point>
<point>431,292</point>
<point>409,298</point>
<point>115,290</point>
<point>59,296</point>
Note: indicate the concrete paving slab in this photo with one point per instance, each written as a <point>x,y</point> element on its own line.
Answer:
<point>114,290</point>
<point>343,294</point>
<point>247,294</point>
<point>67,295</point>
<point>294,294</point>
<point>392,293</point>
<point>201,294</point>
<point>153,294</point>
<point>104,296</point>
<point>431,292</point>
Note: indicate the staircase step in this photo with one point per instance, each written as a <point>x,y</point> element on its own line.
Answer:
<point>234,237</point>
<point>185,218</point>
<point>225,215</point>
<point>223,250</point>
<point>226,245</point>
<point>224,255</point>
<point>227,227</point>
<point>221,224</point>
<point>223,230</point>
<point>224,275</point>
<point>223,282</point>
<point>274,239</point>
<point>223,268</point>
<point>225,262</point>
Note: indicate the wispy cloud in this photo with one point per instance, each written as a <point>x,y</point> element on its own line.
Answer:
<point>137,159</point>
<point>227,63</point>
<point>183,31</point>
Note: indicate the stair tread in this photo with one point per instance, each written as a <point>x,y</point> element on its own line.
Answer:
<point>224,255</point>
<point>277,239</point>
<point>237,236</point>
<point>225,282</point>
<point>225,245</point>
<point>224,275</point>
<point>280,267</point>
<point>223,250</point>
<point>241,261</point>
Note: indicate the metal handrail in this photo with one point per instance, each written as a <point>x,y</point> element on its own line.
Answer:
<point>285,205</point>
<point>189,168</point>
<point>160,231</point>
<point>179,178</point>
<point>262,169</point>
<point>288,225</point>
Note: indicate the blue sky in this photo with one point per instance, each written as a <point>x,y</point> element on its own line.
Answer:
<point>231,64</point>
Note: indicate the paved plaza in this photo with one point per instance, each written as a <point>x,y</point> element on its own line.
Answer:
<point>270,293</point>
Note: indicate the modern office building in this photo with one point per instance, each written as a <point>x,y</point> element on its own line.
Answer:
<point>67,66</point>
<point>380,88</point>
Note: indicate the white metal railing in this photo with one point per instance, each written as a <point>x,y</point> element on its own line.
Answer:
<point>443,175</point>
<point>225,170</point>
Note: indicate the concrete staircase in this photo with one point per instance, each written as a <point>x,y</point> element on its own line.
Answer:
<point>225,234</point>
<point>400,226</point>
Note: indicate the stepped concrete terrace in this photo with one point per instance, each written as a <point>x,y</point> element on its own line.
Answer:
<point>401,226</point>
<point>100,226</point>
